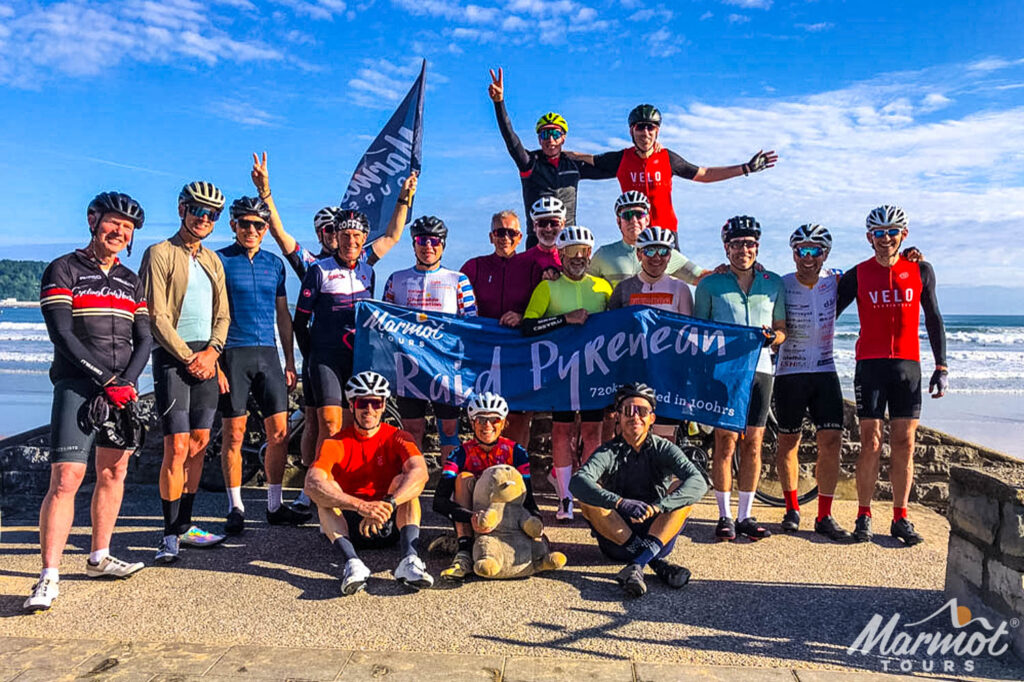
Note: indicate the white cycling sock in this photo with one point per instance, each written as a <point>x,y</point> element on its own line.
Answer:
<point>50,573</point>
<point>746,502</point>
<point>99,555</point>
<point>235,499</point>
<point>724,503</point>
<point>302,499</point>
<point>273,497</point>
<point>562,476</point>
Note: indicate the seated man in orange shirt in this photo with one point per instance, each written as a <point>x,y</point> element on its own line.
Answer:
<point>369,476</point>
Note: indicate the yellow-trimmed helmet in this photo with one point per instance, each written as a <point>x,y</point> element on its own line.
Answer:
<point>552,119</point>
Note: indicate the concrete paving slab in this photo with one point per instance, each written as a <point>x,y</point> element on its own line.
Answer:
<point>560,670</point>
<point>52,675</point>
<point>421,667</point>
<point>155,657</point>
<point>28,653</point>
<point>674,672</point>
<point>281,663</point>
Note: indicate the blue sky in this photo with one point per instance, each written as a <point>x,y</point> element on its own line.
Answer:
<point>920,104</point>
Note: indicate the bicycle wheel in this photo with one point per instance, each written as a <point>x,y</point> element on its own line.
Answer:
<point>769,487</point>
<point>700,458</point>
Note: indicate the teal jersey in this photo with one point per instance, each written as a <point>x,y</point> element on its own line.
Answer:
<point>719,298</point>
<point>195,322</point>
<point>615,262</point>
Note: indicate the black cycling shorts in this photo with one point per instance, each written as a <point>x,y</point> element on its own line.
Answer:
<point>818,392</point>
<point>329,371</point>
<point>184,402</point>
<point>760,399</point>
<point>891,383</point>
<point>360,541</point>
<point>256,369</point>
<point>414,408</point>
<point>69,442</point>
<point>569,416</point>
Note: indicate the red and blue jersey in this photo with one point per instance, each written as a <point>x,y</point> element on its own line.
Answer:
<point>471,457</point>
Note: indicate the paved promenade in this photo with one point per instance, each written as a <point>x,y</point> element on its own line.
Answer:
<point>789,603</point>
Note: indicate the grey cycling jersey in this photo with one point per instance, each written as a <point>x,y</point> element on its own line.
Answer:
<point>810,325</point>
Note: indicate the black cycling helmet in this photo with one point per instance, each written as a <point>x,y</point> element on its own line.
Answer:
<point>740,226</point>
<point>645,113</point>
<point>116,202</point>
<point>249,206</point>
<point>347,219</point>
<point>429,225</point>
<point>637,390</point>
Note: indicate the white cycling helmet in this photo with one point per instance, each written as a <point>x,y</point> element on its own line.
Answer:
<point>887,216</point>
<point>487,403</point>
<point>325,216</point>
<point>813,233</point>
<point>632,199</point>
<point>365,384</point>
<point>202,193</point>
<point>656,236</point>
<point>572,235</point>
<point>547,207</point>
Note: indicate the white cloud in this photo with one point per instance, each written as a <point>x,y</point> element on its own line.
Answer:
<point>749,4</point>
<point>656,14</point>
<point>381,84</point>
<point>243,113</point>
<point>323,10</point>
<point>818,27</point>
<point>738,18</point>
<point>706,16</point>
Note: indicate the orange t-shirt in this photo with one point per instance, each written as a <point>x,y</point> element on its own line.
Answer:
<point>365,468</point>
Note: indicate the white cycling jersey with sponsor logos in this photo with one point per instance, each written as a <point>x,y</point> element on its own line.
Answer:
<point>438,291</point>
<point>810,325</point>
<point>665,293</point>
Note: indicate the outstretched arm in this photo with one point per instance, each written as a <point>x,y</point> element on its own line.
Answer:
<point>261,180</point>
<point>398,217</point>
<point>760,161</point>
<point>496,91</point>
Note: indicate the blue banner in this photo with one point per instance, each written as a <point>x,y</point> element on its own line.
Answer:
<point>397,151</point>
<point>702,371</point>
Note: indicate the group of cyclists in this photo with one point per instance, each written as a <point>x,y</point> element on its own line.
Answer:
<point>212,320</point>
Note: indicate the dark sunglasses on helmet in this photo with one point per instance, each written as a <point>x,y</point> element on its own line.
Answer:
<point>641,411</point>
<point>551,134</point>
<point>655,251</point>
<point>203,212</point>
<point>808,251</point>
<point>645,126</point>
<point>427,240</point>
<point>631,214</point>
<point>255,225</point>
<point>547,222</point>
<point>482,419</point>
<point>368,403</point>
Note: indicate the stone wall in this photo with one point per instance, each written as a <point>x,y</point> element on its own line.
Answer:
<point>985,561</point>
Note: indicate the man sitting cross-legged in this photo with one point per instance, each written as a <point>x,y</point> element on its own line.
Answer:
<point>636,492</point>
<point>369,476</point>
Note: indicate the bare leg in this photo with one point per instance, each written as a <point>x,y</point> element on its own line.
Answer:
<point>464,484</point>
<point>232,436</point>
<point>197,442</point>
<point>447,427</point>
<point>750,463</point>
<point>416,428</point>
<point>607,522</point>
<point>58,510</point>
<point>111,468</point>
<point>172,470</point>
<point>868,460</point>
<point>518,427</point>
<point>591,432</point>
<point>328,423</point>
<point>310,431</point>
<point>830,442</point>
<point>902,434</point>
<point>276,427</point>
<point>721,462</point>
<point>786,460</point>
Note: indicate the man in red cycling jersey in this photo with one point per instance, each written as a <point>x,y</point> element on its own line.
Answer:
<point>648,167</point>
<point>891,292</point>
<point>366,482</point>
<point>454,495</point>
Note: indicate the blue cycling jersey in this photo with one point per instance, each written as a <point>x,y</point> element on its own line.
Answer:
<point>329,293</point>
<point>253,288</point>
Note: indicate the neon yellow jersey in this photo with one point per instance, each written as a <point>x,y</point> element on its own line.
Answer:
<point>563,295</point>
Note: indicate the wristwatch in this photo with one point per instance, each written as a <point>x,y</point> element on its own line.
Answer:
<point>390,499</point>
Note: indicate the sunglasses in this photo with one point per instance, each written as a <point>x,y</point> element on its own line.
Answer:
<point>641,411</point>
<point>743,244</point>
<point>633,215</point>
<point>551,134</point>
<point>548,222</point>
<point>203,212</point>
<point>812,251</point>
<point>483,419</point>
<point>506,233</point>
<point>427,240</point>
<point>891,232</point>
<point>645,126</point>
<point>655,251</point>
<point>255,225</point>
<point>368,403</point>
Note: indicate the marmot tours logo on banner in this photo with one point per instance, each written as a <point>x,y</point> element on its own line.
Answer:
<point>950,640</point>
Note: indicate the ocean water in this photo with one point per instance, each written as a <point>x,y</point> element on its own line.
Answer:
<point>985,355</point>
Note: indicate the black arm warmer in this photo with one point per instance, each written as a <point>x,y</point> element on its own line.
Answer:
<point>932,317</point>
<point>847,292</point>
<point>445,505</point>
<point>512,142</point>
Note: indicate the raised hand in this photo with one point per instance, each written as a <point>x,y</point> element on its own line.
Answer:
<point>260,176</point>
<point>409,187</point>
<point>760,161</point>
<point>496,90</point>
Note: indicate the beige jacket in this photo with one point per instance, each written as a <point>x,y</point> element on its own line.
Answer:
<point>164,273</point>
